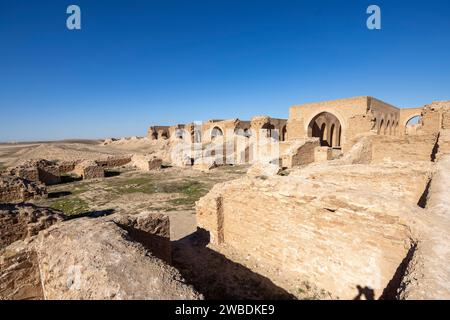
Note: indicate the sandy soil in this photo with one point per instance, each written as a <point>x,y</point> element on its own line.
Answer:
<point>172,191</point>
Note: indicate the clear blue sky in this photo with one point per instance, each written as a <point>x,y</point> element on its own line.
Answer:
<point>137,63</point>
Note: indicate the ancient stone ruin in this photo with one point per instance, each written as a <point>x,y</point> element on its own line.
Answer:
<point>14,189</point>
<point>345,199</point>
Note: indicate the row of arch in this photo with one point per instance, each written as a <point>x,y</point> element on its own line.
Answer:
<point>387,128</point>
<point>391,126</point>
<point>160,135</point>
<point>327,127</point>
<point>268,131</point>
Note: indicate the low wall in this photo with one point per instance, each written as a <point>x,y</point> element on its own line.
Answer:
<point>343,239</point>
<point>408,148</point>
<point>114,161</point>
<point>16,190</point>
<point>18,222</point>
<point>298,153</point>
<point>151,230</point>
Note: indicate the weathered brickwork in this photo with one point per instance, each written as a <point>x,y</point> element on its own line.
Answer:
<point>114,161</point>
<point>44,171</point>
<point>19,222</point>
<point>19,273</point>
<point>151,230</point>
<point>317,229</point>
<point>14,189</point>
<point>89,170</point>
<point>408,148</point>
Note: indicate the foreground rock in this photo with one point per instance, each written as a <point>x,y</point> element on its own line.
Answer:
<point>90,258</point>
<point>205,164</point>
<point>263,170</point>
<point>427,276</point>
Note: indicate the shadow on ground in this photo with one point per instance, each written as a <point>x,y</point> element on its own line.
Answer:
<point>217,277</point>
<point>111,173</point>
<point>91,214</point>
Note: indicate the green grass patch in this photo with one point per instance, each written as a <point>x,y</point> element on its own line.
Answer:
<point>70,206</point>
<point>2,166</point>
<point>191,191</point>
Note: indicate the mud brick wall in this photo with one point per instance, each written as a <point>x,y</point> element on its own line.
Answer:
<point>89,170</point>
<point>116,161</point>
<point>67,166</point>
<point>331,244</point>
<point>446,119</point>
<point>431,120</point>
<point>301,155</point>
<point>151,230</point>
<point>11,194</point>
<point>14,189</point>
<point>19,274</point>
<point>18,222</point>
<point>49,175</point>
<point>322,154</point>
<point>409,148</point>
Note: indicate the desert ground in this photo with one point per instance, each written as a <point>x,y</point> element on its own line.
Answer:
<point>172,191</point>
<point>308,214</point>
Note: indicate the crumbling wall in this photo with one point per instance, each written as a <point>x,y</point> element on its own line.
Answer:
<point>446,119</point>
<point>431,120</point>
<point>96,259</point>
<point>19,222</point>
<point>357,125</point>
<point>360,153</point>
<point>19,273</point>
<point>151,230</point>
<point>298,152</point>
<point>427,275</point>
<point>114,161</point>
<point>146,162</point>
<point>89,169</point>
<point>67,166</point>
<point>338,235</point>
<point>37,170</point>
<point>443,147</point>
<point>323,154</point>
<point>14,189</point>
<point>407,148</point>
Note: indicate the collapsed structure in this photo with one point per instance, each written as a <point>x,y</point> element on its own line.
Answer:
<point>346,199</point>
<point>360,225</point>
<point>314,132</point>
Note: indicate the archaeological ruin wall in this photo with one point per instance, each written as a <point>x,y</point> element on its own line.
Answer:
<point>326,232</point>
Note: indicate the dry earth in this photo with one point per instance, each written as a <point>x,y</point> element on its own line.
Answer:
<point>172,191</point>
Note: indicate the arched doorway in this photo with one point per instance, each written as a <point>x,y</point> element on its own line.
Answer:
<point>216,132</point>
<point>380,129</point>
<point>283,136</point>
<point>413,124</point>
<point>327,127</point>
<point>267,130</point>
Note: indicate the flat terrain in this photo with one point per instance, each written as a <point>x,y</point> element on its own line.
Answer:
<point>172,191</point>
